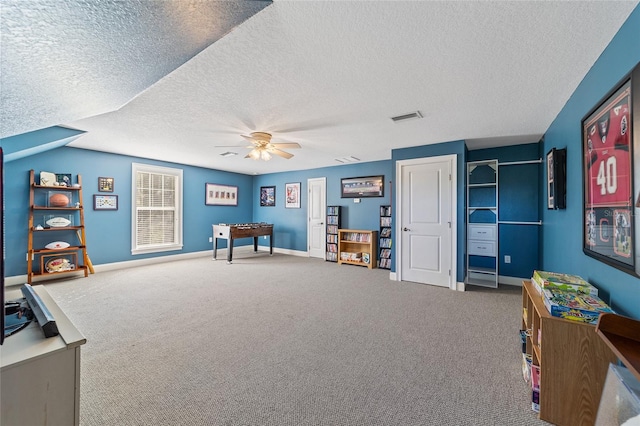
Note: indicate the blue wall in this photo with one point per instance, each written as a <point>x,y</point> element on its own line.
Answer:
<point>518,200</point>
<point>290,225</point>
<point>109,232</point>
<point>562,230</point>
<point>447,148</point>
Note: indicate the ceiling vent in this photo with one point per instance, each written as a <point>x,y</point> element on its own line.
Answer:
<point>228,154</point>
<point>350,159</point>
<point>409,116</point>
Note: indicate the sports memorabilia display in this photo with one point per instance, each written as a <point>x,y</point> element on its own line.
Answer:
<point>608,152</point>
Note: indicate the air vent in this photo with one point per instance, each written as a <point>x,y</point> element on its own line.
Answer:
<point>228,154</point>
<point>350,159</point>
<point>409,116</point>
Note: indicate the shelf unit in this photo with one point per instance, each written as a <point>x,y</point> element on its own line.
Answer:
<point>573,362</point>
<point>71,259</point>
<point>482,223</point>
<point>357,247</point>
<point>385,237</point>
<point>334,222</point>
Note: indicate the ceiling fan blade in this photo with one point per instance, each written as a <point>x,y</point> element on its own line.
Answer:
<point>282,154</point>
<point>287,145</point>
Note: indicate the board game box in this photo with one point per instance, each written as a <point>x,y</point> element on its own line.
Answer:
<point>565,282</point>
<point>573,305</point>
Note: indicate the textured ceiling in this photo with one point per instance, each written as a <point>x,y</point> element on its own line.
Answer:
<point>328,75</point>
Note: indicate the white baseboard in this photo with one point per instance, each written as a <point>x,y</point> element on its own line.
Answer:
<point>222,254</point>
<point>511,280</point>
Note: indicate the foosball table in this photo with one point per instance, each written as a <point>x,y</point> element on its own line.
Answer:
<point>231,232</point>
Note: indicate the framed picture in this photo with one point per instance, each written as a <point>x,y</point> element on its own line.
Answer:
<point>267,196</point>
<point>220,195</point>
<point>556,179</point>
<point>105,184</point>
<point>611,166</point>
<point>359,187</point>
<point>292,195</point>
<point>105,202</point>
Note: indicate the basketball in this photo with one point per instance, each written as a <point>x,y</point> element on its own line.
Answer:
<point>58,200</point>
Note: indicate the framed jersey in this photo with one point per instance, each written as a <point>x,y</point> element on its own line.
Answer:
<point>610,156</point>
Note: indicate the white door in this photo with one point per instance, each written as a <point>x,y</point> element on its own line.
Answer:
<point>426,225</point>
<point>317,213</point>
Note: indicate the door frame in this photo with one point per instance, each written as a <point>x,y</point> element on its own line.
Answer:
<point>322,179</point>
<point>453,162</point>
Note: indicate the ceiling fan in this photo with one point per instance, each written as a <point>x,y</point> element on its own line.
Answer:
<point>263,148</point>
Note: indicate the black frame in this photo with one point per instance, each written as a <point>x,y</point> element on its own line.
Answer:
<point>265,199</point>
<point>610,231</point>
<point>105,184</point>
<point>556,179</point>
<point>97,206</point>
<point>347,190</point>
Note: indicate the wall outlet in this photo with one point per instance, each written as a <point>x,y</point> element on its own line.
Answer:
<point>356,200</point>
<point>210,239</point>
<point>507,259</point>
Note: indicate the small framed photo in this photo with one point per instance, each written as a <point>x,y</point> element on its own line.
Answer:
<point>292,195</point>
<point>267,196</point>
<point>220,195</point>
<point>105,202</point>
<point>105,184</point>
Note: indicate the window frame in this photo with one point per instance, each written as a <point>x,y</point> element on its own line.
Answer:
<point>178,208</point>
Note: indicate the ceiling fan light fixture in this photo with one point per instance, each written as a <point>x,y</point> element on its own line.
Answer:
<point>264,155</point>
<point>255,154</point>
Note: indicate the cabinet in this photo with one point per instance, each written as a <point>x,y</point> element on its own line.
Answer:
<point>357,247</point>
<point>385,237</point>
<point>57,241</point>
<point>573,362</point>
<point>482,223</point>
<point>40,377</point>
<point>333,224</point>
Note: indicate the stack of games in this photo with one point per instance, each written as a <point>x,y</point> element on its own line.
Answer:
<point>573,305</point>
<point>565,282</point>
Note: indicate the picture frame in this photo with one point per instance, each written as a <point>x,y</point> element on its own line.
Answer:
<point>105,202</point>
<point>105,184</point>
<point>556,179</point>
<point>611,176</point>
<point>220,195</point>
<point>292,195</point>
<point>267,196</point>
<point>362,187</point>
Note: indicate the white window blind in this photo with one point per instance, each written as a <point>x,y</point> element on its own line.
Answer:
<point>157,220</point>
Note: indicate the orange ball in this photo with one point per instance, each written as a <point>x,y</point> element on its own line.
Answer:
<point>58,200</point>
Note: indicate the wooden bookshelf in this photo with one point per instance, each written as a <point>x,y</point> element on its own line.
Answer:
<point>358,247</point>
<point>573,362</point>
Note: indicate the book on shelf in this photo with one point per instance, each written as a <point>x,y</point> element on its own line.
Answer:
<point>535,388</point>
<point>385,263</point>
<point>332,229</point>
<point>385,242</point>
<point>385,221</point>
<point>385,253</point>
<point>567,282</point>
<point>385,232</point>
<point>574,306</point>
<point>357,237</point>
<point>385,210</point>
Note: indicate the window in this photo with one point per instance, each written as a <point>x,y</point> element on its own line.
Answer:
<point>157,213</point>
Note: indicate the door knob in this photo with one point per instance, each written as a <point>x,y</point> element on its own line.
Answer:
<point>406,229</point>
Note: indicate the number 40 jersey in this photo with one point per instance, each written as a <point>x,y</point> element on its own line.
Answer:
<point>608,160</point>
